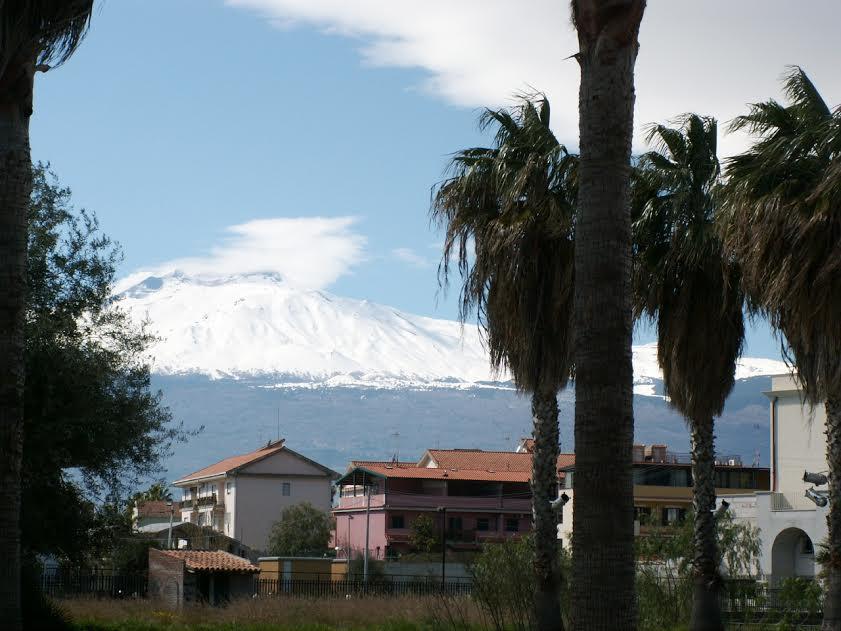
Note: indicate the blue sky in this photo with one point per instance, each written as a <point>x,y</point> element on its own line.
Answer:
<point>317,127</point>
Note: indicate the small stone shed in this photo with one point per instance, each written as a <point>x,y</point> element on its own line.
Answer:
<point>211,576</point>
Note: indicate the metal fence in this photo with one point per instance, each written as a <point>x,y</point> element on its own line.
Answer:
<point>100,584</point>
<point>751,603</point>
<point>318,586</point>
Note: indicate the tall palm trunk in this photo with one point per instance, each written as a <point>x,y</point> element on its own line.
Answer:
<point>706,609</point>
<point>603,596</point>
<point>544,487</point>
<point>15,187</point>
<point>832,597</point>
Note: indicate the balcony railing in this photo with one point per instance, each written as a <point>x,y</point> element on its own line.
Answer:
<point>786,502</point>
<point>454,502</point>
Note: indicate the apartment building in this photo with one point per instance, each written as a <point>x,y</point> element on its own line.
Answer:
<point>663,486</point>
<point>242,496</point>
<point>474,496</point>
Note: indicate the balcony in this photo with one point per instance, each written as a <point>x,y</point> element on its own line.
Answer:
<point>786,502</point>
<point>450,502</point>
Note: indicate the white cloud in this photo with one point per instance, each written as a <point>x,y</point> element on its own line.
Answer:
<point>710,57</point>
<point>310,252</point>
<point>408,255</point>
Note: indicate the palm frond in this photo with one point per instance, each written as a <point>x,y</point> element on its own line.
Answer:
<point>508,216</point>
<point>682,278</point>
<point>783,224</point>
<point>42,31</point>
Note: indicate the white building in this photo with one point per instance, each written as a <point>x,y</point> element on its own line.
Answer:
<point>791,525</point>
<point>243,496</point>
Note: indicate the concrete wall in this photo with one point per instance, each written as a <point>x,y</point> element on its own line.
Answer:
<point>798,439</point>
<point>350,534</point>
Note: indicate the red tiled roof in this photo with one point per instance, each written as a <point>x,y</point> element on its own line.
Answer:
<point>490,460</point>
<point>384,463</point>
<point>234,462</point>
<point>215,560</point>
<point>440,473</point>
<point>153,508</point>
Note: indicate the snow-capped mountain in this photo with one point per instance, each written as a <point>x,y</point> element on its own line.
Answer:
<point>258,325</point>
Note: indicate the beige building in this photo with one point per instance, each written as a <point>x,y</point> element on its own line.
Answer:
<point>663,486</point>
<point>791,525</point>
<point>242,496</point>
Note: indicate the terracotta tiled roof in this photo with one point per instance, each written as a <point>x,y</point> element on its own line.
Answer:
<point>481,460</point>
<point>214,560</point>
<point>382,463</point>
<point>490,460</point>
<point>153,508</point>
<point>440,473</point>
<point>234,462</point>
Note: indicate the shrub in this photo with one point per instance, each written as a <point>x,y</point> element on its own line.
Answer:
<point>503,584</point>
<point>424,535</point>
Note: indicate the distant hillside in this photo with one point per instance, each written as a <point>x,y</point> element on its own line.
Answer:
<point>334,425</point>
<point>352,379</point>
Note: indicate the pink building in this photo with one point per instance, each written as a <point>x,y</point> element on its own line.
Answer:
<point>479,496</point>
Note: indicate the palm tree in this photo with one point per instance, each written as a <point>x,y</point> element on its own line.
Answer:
<point>514,204</point>
<point>33,34</point>
<point>784,226</point>
<point>603,569</point>
<point>683,281</point>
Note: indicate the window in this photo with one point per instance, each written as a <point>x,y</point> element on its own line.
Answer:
<point>642,514</point>
<point>673,516</point>
<point>397,521</point>
<point>483,524</point>
<point>227,523</point>
<point>286,489</point>
<point>228,487</point>
<point>455,524</point>
<point>512,524</point>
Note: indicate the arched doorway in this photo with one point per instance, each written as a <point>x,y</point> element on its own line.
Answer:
<point>793,554</point>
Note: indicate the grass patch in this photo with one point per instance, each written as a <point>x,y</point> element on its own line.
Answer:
<point>279,614</point>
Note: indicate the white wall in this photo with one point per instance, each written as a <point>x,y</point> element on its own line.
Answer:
<point>799,441</point>
<point>260,501</point>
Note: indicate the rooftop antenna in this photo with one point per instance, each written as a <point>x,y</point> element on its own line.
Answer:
<point>396,436</point>
<point>756,458</point>
<point>278,423</point>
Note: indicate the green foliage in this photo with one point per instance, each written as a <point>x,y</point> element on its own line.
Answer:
<point>799,598</point>
<point>88,403</point>
<point>664,567</point>
<point>424,536</point>
<point>356,569</point>
<point>302,530</point>
<point>508,215</point>
<point>682,279</point>
<point>783,226</point>
<point>502,585</point>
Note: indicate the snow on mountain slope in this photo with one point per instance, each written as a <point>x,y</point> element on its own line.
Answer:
<point>258,325</point>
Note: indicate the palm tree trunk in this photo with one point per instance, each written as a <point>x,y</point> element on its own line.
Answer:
<point>544,488</point>
<point>603,596</point>
<point>832,596</point>
<point>706,608</point>
<point>15,187</point>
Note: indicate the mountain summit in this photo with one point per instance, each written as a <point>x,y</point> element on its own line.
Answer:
<point>258,325</point>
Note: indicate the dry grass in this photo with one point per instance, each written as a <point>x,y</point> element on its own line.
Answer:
<point>354,613</point>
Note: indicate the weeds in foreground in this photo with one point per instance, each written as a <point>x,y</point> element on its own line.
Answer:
<point>275,614</point>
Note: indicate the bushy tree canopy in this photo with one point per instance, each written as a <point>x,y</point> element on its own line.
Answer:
<point>301,530</point>
<point>93,427</point>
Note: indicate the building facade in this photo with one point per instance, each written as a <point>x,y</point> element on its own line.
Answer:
<point>791,525</point>
<point>663,486</point>
<point>474,496</point>
<point>242,496</point>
